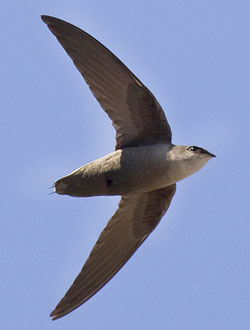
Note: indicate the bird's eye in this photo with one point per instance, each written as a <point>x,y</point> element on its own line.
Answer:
<point>193,148</point>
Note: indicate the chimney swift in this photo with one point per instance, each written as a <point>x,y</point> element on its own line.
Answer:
<point>143,169</point>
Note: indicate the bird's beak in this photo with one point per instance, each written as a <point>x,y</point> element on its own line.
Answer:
<point>208,153</point>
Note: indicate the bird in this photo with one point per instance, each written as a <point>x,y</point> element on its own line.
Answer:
<point>143,169</point>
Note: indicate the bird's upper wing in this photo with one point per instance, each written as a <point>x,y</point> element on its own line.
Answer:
<point>135,218</point>
<point>135,113</point>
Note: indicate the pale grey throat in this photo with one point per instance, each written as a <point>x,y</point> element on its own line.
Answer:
<point>143,169</point>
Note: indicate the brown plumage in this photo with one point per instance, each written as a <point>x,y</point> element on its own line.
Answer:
<point>143,169</point>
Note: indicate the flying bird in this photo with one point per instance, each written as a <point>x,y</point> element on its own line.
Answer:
<point>143,169</point>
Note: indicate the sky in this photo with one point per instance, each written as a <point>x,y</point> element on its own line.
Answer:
<point>193,272</point>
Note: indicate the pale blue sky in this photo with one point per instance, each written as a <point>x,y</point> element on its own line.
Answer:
<point>193,273</point>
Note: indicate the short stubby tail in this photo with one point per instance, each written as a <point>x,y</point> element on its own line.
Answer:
<point>78,185</point>
<point>62,188</point>
<point>70,186</point>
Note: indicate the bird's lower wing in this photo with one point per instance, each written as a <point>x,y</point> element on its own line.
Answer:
<point>135,218</point>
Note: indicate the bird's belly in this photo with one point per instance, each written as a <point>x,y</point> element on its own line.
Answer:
<point>121,172</point>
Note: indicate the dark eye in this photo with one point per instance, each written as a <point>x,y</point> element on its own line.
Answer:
<point>193,148</point>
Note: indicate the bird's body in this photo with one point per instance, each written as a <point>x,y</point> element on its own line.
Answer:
<point>129,170</point>
<point>143,169</point>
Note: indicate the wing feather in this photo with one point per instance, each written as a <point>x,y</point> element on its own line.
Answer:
<point>135,113</point>
<point>135,218</point>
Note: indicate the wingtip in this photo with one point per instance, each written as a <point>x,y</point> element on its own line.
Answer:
<point>44,18</point>
<point>47,19</point>
<point>55,315</point>
<point>60,310</point>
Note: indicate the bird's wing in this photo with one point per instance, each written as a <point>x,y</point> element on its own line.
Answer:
<point>135,218</point>
<point>135,113</point>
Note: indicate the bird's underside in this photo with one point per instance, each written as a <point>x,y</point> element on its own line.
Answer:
<point>126,171</point>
